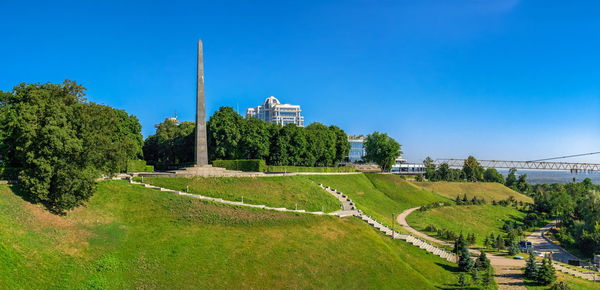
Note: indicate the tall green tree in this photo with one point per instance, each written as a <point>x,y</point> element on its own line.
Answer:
<point>289,146</point>
<point>546,274</point>
<point>224,134</point>
<point>342,145</point>
<point>61,143</point>
<point>255,139</point>
<point>531,268</point>
<point>381,149</point>
<point>492,175</point>
<point>430,170</point>
<point>321,143</point>
<point>511,178</point>
<point>472,169</point>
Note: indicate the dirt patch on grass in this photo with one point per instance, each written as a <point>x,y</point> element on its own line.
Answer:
<point>70,238</point>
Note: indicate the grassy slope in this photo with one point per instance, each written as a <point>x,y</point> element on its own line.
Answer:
<point>478,219</point>
<point>379,195</point>
<point>574,283</point>
<point>131,237</point>
<point>487,190</point>
<point>273,191</point>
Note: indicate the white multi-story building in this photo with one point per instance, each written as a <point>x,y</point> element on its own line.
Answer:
<point>272,111</point>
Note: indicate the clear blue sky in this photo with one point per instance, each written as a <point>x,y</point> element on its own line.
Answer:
<point>502,79</point>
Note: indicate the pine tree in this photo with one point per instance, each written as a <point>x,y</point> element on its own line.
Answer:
<point>465,200</point>
<point>500,243</point>
<point>471,239</point>
<point>486,242</point>
<point>562,285</point>
<point>546,273</point>
<point>458,244</point>
<point>531,268</point>
<point>482,263</point>
<point>465,263</point>
<point>457,200</point>
<point>513,249</point>
<point>487,278</point>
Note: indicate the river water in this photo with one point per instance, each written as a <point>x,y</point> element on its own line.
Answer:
<point>555,176</point>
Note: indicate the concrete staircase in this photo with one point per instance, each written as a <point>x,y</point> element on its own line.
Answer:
<point>349,207</point>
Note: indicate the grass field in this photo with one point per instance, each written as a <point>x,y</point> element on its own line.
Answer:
<point>478,219</point>
<point>486,190</point>
<point>130,237</point>
<point>574,283</point>
<point>287,191</point>
<point>379,195</point>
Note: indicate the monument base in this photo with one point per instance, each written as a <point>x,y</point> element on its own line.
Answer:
<point>203,171</point>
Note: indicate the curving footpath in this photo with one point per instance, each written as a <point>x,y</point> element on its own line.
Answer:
<point>507,272</point>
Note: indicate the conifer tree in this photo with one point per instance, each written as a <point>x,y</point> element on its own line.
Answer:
<point>500,243</point>
<point>546,274</point>
<point>465,263</point>
<point>531,268</point>
<point>482,263</point>
<point>458,244</point>
<point>486,242</point>
<point>462,280</point>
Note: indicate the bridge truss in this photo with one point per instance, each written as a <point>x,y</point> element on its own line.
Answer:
<point>540,165</point>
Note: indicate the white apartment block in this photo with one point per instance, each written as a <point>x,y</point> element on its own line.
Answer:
<point>272,111</point>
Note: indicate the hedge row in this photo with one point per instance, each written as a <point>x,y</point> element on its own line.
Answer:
<point>138,166</point>
<point>253,165</point>
<point>273,168</point>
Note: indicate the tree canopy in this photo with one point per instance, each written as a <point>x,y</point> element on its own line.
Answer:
<point>230,136</point>
<point>61,143</point>
<point>381,149</point>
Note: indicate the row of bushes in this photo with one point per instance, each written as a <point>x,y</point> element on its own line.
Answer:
<point>273,168</point>
<point>254,165</point>
<point>258,165</point>
<point>139,166</point>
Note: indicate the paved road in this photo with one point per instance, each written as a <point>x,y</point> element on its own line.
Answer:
<point>545,245</point>
<point>508,274</point>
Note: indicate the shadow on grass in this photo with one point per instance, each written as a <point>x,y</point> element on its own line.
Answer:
<point>26,196</point>
<point>449,268</point>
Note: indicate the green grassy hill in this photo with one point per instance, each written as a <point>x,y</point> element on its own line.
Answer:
<point>478,219</point>
<point>379,195</point>
<point>128,236</point>
<point>287,191</point>
<point>486,190</point>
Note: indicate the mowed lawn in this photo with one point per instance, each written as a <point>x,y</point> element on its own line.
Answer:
<point>486,190</point>
<point>379,195</point>
<point>288,191</point>
<point>478,219</point>
<point>128,236</point>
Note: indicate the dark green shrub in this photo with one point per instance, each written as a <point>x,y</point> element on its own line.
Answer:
<point>252,165</point>
<point>138,166</point>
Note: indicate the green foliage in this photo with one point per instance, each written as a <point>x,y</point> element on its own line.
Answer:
<point>465,263</point>
<point>381,149</point>
<point>321,149</point>
<point>275,168</point>
<point>173,143</point>
<point>492,175</point>
<point>546,274</point>
<point>531,268</point>
<point>138,166</point>
<point>472,170</point>
<point>462,280</point>
<point>511,178</point>
<point>255,165</point>
<point>224,130</point>
<point>562,285</point>
<point>231,137</point>
<point>61,143</point>
<point>342,146</point>
<point>482,263</point>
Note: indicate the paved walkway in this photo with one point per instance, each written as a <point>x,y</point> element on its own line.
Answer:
<point>544,245</point>
<point>507,272</point>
